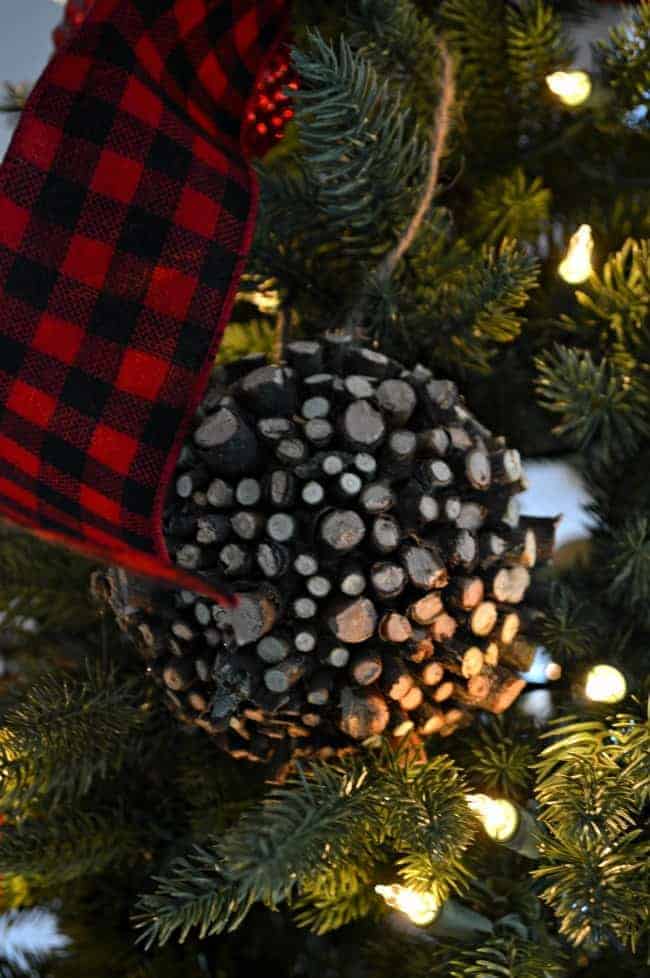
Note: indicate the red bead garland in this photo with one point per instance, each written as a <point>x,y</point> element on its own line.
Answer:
<point>269,109</point>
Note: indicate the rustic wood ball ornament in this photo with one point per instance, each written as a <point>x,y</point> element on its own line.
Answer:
<point>367,522</point>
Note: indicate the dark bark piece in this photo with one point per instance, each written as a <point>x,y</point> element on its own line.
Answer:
<point>283,675</point>
<point>337,656</point>
<point>425,610</point>
<point>363,426</point>
<point>212,528</point>
<point>506,466</point>
<point>433,443</point>
<point>434,474</point>
<point>365,667</point>
<point>369,362</point>
<point>304,608</point>
<point>519,654</point>
<point>388,580</point>
<point>248,492</point>
<point>281,527</point>
<point>273,648</point>
<point>544,528</point>
<point>247,524</point>
<point>342,530</point>
<point>397,399</point>
<point>319,383</point>
<point>396,679</point>
<point>464,593</point>
<point>319,432</point>
<point>400,724</point>
<point>312,493</point>
<point>228,445</point>
<point>428,719</point>
<point>424,566</point>
<point>255,615</point>
<point>273,559</point>
<point>189,482</point>
<point>365,464</point>
<point>417,507</point>
<point>315,407</point>
<point>305,564</point>
<point>418,649</point>
<point>450,506</point>
<point>178,674</point>
<point>376,498</point>
<point>181,525</point>
<point>352,621</point>
<point>281,488</point>
<point>269,390</point>
<point>213,637</point>
<point>459,547</point>
<point>236,369</point>
<point>305,356</point>
<point>235,559</point>
<point>311,718</point>
<point>504,690</point>
<point>291,451</point>
<point>353,580</point>
<point>521,546</point>
<point>460,658</point>
<point>336,348</point>
<point>492,547</point>
<point>220,494</point>
<point>305,638</point>
<point>320,687</point>
<point>385,534</point>
<point>319,586</point>
<point>412,700</point>
<point>364,713</point>
<point>394,627</point>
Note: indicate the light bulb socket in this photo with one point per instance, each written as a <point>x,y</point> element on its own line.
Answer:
<point>454,919</point>
<point>524,838</point>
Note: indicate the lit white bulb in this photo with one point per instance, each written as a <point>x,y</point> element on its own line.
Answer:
<point>605,684</point>
<point>576,266</point>
<point>571,87</point>
<point>499,817</point>
<point>420,908</point>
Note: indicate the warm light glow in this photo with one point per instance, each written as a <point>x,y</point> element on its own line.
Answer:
<point>576,267</point>
<point>605,684</point>
<point>553,671</point>
<point>500,818</point>
<point>420,908</point>
<point>571,87</point>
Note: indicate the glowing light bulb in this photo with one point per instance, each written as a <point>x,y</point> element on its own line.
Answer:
<point>605,684</point>
<point>500,818</point>
<point>571,87</point>
<point>576,266</point>
<point>420,908</point>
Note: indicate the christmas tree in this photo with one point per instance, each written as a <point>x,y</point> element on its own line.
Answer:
<point>449,205</point>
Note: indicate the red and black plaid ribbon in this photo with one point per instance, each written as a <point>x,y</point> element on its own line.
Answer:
<point>126,213</point>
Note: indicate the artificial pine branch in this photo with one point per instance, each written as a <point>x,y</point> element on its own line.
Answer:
<point>508,957</point>
<point>65,733</point>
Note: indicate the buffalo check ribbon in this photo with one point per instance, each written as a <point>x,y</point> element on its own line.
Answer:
<point>127,209</point>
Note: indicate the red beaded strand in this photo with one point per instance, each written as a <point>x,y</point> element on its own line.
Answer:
<point>269,109</point>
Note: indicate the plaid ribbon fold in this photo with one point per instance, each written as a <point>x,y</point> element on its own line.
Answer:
<point>126,214</point>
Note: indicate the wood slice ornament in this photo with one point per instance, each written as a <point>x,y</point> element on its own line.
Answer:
<point>359,510</point>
